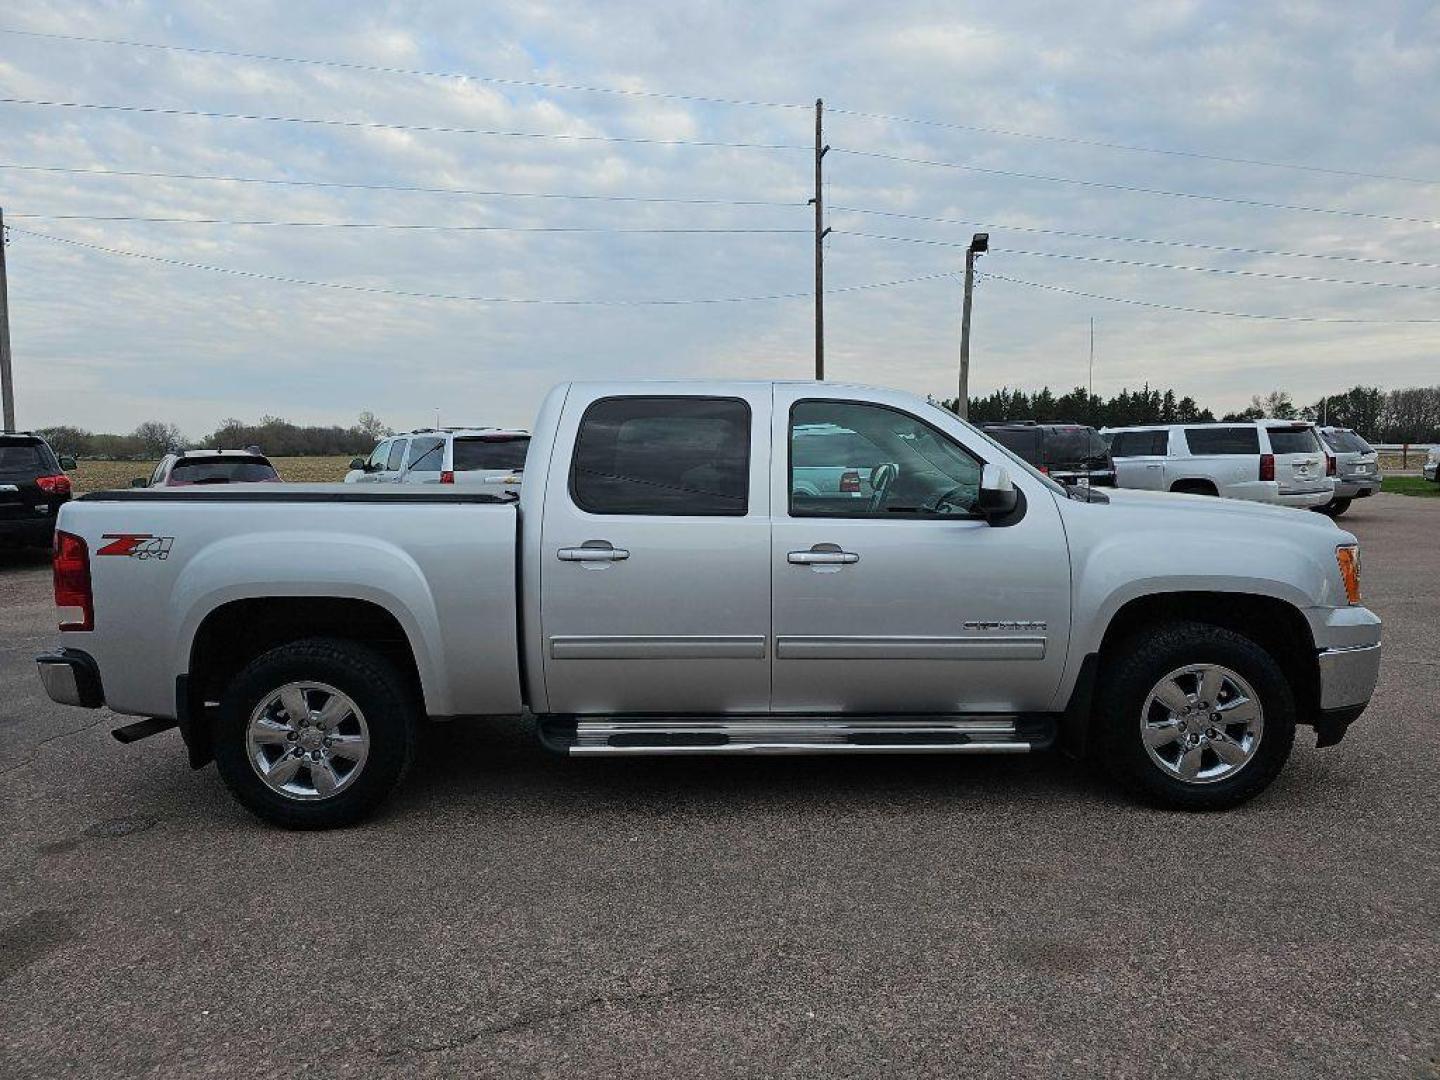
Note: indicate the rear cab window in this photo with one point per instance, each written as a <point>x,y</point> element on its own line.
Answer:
<point>1221,441</point>
<point>663,456</point>
<point>506,452</point>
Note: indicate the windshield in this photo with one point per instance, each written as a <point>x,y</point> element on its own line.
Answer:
<point>1004,455</point>
<point>504,452</point>
<point>1346,442</point>
<point>1296,440</point>
<point>222,471</point>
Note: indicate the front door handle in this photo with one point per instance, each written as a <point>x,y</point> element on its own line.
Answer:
<point>593,551</point>
<point>822,554</point>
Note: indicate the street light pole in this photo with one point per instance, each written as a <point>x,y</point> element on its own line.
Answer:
<point>7,388</point>
<point>979,245</point>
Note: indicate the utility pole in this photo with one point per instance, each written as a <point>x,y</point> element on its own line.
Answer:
<point>979,244</point>
<point>1090,394</point>
<point>7,387</point>
<point>820,233</point>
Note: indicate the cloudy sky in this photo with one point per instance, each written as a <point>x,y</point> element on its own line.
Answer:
<point>1013,104</point>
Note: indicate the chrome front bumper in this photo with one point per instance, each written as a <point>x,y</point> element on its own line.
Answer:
<point>1348,676</point>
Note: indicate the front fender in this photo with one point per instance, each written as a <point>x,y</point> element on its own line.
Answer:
<point>298,564</point>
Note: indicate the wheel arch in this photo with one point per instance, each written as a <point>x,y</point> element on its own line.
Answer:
<point>1195,485</point>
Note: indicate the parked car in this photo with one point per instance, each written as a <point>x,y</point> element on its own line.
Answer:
<point>1271,461</point>
<point>1070,453</point>
<point>1431,469</point>
<point>486,459</point>
<point>33,487</point>
<point>664,588</point>
<point>1355,466</point>
<point>182,468</point>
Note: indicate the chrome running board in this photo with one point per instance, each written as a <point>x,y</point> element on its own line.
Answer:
<point>635,736</point>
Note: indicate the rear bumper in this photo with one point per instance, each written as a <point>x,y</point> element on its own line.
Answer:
<point>1306,499</point>
<point>1358,487</point>
<point>71,677</point>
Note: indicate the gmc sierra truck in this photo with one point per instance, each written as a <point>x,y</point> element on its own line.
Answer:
<point>664,586</point>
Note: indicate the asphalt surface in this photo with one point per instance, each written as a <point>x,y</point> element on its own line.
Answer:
<point>514,914</point>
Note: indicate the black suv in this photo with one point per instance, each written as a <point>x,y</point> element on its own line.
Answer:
<point>1069,453</point>
<point>33,487</point>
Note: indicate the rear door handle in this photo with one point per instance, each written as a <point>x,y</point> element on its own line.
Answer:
<point>593,551</point>
<point>826,557</point>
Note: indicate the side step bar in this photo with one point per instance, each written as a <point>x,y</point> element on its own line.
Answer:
<point>647,736</point>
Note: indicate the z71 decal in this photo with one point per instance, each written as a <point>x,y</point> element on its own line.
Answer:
<point>137,545</point>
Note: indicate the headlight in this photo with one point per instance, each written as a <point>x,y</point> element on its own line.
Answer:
<point>1348,556</point>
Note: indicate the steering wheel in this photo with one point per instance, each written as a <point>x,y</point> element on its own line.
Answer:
<point>948,498</point>
<point>881,477</point>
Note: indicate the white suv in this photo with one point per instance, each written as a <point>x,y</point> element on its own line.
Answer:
<point>491,459</point>
<point>1272,461</point>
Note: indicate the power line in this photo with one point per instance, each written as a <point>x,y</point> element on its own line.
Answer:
<point>406,294</point>
<point>1100,144</point>
<point>416,227</point>
<point>385,69</point>
<point>1133,189</point>
<point>406,188</point>
<point>1110,237</point>
<point>375,125</point>
<point>1205,311</point>
<point>348,65</point>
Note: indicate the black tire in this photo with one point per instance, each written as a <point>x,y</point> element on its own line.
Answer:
<point>1335,507</point>
<point>384,697</point>
<point>1136,665</point>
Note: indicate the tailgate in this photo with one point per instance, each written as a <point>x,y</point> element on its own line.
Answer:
<point>1299,458</point>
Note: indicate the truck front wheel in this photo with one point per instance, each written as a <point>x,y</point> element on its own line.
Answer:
<point>1194,717</point>
<point>314,734</point>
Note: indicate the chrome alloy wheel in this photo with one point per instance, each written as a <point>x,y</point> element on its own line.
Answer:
<point>307,740</point>
<point>1202,723</point>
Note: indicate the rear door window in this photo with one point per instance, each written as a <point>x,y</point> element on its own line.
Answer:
<point>426,454</point>
<point>1293,440</point>
<point>1128,444</point>
<point>670,456</point>
<point>505,452</point>
<point>1223,440</point>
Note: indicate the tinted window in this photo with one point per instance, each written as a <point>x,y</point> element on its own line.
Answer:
<point>397,455</point>
<point>1297,440</point>
<point>507,452</point>
<point>1140,444</point>
<point>222,471</point>
<point>674,456</point>
<point>427,454</point>
<point>1073,445</point>
<point>25,455</point>
<point>1346,442</point>
<point>1022,441</point>
<point>918,471</point>
<point>1223,440</point>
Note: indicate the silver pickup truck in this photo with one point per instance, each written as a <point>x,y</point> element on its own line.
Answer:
<point>664,586</point>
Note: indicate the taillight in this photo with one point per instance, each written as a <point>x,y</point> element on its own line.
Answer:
<point>54,485</point>
<point>850,482</point>
<point>1329,464</point>
<point>1045,469</point>
<point>71,563</point>
<point>447,477</point>
<point>1267,466</point>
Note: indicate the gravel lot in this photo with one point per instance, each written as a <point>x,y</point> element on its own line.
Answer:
<point>514,914</point>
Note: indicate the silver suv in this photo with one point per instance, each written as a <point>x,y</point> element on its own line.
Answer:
<point>491,459</point>
<point>1356,468</point>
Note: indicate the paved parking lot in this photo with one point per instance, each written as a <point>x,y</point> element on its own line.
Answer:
<point>514,914</point>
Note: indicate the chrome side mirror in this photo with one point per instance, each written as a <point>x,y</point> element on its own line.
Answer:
<point>997,496</point>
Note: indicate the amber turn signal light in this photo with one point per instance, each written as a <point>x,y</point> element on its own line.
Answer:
<point>1349,559</point>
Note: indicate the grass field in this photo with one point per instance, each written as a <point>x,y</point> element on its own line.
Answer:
<point>1410,485</point>
<point>104,475</point>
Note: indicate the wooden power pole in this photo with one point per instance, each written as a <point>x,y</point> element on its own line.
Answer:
<point>979,245</point>
<point>820,233</point>
<point>7,388</point>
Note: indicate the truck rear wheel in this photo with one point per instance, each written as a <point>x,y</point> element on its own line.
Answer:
<point>1194,717</point>
<point>315,734</point>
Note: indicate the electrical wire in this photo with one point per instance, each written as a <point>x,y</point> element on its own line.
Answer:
<point>1134,189</point>
<point>405,188</point>
<point>407,294</point>
<point>1112,238</point>
<point>1201,311</point>
<point>375,125</point>
<point>415,227</point>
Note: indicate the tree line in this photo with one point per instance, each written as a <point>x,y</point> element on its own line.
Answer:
<point>274,436</point>
<point>1395,416</point>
